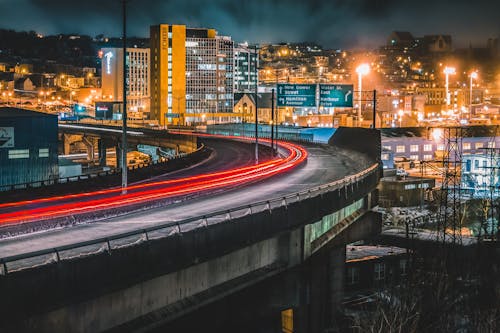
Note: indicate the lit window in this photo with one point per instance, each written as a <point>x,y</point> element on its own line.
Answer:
<point>410,186</point>
<point>428,147</point>
<point>400,149</point>
<point>440,147</point>
<point>387,148</point>
<point>414,148</point>
<point>379,271</point>
<point>43,152</point>
<point>414,157</point>
<point>19,153</point>
<point>385,157</point>
<point>491,144</point>
<point>479,145</point>
<point>427,157</point>
<point>466,146</point>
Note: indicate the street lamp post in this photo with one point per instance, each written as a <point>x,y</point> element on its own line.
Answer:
<point>447,72</point>
<point>474,76</point>
<point>362,69</point>
<point>124,114</point>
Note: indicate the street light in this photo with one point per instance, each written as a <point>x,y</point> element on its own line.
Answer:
<point>362,69</point>
<point>474,76</point>
<point>448,71</point>
<point>400,114</point>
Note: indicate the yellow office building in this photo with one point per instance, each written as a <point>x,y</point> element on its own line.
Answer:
<point>191,76</point>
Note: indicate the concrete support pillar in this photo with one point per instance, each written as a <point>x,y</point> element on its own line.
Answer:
<point>66,144</point>
<point>102,152</point>
<point>336,267</point>
<point>89,145</point>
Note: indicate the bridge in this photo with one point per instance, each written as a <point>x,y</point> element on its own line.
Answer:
<point>99,138</point>
<point>149,266</point>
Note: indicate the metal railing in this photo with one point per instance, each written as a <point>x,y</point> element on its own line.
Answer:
<point>110,243</point>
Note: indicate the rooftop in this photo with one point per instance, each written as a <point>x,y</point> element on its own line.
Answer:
<point>8,112</point>
<point>370,252</point>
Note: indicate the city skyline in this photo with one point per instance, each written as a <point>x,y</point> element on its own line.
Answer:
<point>333,24</point>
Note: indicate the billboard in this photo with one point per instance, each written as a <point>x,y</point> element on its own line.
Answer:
<point>296,95</point>
<point>335,95</point>
<point>104,110</point>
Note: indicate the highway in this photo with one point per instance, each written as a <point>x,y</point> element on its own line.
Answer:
<point>325,164</point>
<point>77,204</point>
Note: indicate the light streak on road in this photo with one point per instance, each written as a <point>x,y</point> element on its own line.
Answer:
<point>74,204</point>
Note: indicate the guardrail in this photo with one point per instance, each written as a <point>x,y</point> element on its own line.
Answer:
<point>108,244</point>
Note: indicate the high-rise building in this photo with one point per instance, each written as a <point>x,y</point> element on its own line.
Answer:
<point>245,64</point>
<point>138,79</point>
<point>192,75</point>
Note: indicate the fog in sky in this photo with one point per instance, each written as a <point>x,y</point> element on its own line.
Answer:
<point>331,23</point>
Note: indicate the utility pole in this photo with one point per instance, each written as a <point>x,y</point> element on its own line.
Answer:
<point>272,121</point>
<point>256,106</point>
<point>374,108</point>
<point>124,113</point>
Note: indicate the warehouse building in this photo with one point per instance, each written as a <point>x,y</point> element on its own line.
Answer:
<point>28,147</point>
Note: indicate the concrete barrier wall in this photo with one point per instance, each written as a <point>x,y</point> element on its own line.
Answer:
<point>73,281</point>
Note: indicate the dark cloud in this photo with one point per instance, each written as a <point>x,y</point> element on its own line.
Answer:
<point>333,23</point>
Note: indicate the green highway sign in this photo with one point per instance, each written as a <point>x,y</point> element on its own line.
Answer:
<point>297,95</point>
<point>335,95</point>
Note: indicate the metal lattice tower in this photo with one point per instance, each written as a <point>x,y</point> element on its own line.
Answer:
<point>450,211</point>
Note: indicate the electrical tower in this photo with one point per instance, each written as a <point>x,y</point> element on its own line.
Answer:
<point>450,210</point>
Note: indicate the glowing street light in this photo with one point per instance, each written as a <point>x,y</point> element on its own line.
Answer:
<point>474,76</point>
<point>400,114</point>
<point>362,69</point>
<point>448,71</point>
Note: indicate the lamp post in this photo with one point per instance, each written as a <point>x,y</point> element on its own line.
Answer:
<point>362,69</point>
<point>124,116</point>
<point>474,76</point>
<point>448,71</point>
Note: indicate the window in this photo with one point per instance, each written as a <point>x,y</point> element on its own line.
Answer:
<point>427,157</point>
<point>428,147</point>
<point>385,157</point>
<point>466,146</point>
<point>379,271</point>
<point>476,164</point>
<point>352,275</point>
<point>387,148</point>
<point>410,186</point>
<point>19,153</point>
<point>43,152</point>
<point>403,267</point>
<point>491,144</point>
<point>479,145</point>
<point>440,146</point>
<point>414,148</point>
<point>400,149</point>
<point>414,157</point>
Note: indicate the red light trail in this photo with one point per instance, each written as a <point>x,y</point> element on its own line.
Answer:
<point>59,206</point>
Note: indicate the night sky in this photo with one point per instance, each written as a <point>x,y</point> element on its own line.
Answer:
<point>332,23</point>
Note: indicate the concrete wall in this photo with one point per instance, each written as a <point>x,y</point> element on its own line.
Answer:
<point>162,296</point>
<point>80,280</point>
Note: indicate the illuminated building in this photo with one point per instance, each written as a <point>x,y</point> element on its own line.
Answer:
<point>137,79</point>
<point>192,75</point>
<point>245,75</point>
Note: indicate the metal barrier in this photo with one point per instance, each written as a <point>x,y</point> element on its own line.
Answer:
<point>111,243</point>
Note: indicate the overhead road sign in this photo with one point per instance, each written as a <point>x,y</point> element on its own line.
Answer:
<point>297,95</point>
<point>335,95</point>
